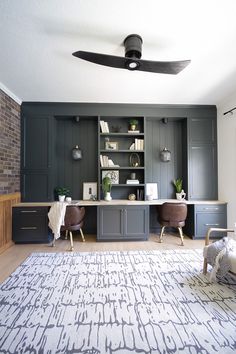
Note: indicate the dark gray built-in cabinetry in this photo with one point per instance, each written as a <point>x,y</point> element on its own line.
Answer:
<point>30,225</point>
<point>202,159</point>
<point>201,217</point>
<point>123,222</point>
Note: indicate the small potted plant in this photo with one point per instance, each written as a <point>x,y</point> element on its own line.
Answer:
<point>62,192</point>
<point>106,188</point>
<point>178,183</point>
<point>133,123</point>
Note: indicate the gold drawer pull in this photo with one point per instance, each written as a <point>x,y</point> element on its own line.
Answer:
<point>29,228</point>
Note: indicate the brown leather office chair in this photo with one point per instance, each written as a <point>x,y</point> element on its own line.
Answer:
<point>172,215</point>
<point>74,221</point>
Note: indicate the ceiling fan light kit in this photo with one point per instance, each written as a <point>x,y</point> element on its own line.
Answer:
<point>132,60</point>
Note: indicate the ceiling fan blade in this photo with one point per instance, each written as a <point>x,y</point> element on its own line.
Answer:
<point>163,67</point>
<point>102,59</point>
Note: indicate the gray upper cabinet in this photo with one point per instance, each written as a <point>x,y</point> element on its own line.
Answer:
<point>36,158</point>
<point>202,159</point>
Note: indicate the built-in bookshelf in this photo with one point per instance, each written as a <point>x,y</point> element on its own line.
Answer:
<point>122,156</point>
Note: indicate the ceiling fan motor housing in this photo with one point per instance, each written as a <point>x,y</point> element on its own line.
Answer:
<point>133,46</point>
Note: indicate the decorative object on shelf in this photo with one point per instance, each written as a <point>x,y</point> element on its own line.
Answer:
<point>62,193</point>
<point>112,174</point>
<point>165,155</point>
<point>68,199</point>
<point>111,145</point>
<point>178,183</point>
<point>139,194</point>
<point>133,123</point>
<point>132,196</point>
<point>181,195</point>
<point>76,153</point>
<point>151,191</point>
<point>133,175</point>
<point>115,129</point>
<point>106,188</point>
<point>134,160</point>
<point>90,191</point>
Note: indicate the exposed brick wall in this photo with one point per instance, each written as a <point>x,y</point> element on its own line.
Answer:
<point>9,144</point>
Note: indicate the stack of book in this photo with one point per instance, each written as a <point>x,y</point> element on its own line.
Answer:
<point>137,145</point>
<point>106,162</point>
<point>132,181</point>
<point>104,126</point>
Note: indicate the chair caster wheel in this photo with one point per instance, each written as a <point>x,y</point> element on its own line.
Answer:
<point>160,241</point>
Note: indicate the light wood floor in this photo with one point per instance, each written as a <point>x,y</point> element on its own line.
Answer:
<point>15,255</point>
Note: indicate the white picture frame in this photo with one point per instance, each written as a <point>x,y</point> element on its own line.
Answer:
<point>152,190</point>
<point>89,190</point>
<point>113,174</point>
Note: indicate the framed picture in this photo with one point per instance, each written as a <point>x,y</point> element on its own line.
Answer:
<point>111,145</point>
<point>151,191</point>
<point>89,190</point>
<point>114,176</point>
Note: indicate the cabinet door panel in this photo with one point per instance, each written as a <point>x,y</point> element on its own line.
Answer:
<point>202,130</point>
<point>136,222</point>
<point>36,142</point>
<point>203,178</point>
<point>110,223</point>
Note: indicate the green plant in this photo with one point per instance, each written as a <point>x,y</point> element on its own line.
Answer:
<point>133,122</point>
<point>62,191</point>
<point>178,183</point>
<point>106,185</point>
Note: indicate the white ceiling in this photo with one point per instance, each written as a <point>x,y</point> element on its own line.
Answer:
<point>37,38</point>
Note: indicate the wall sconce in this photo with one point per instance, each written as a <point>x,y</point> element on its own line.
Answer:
<point>165,155</point>
<point>76,153</point>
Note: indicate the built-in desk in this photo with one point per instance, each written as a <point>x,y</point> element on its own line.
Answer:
<point>118,219</point>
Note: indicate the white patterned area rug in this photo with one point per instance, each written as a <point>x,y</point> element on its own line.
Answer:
<point>144,302</point>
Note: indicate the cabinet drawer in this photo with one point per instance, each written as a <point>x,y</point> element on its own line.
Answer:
<point>28,211</point>
<point>30,225</point>
<point>211,208</point>
<point>206,220</point>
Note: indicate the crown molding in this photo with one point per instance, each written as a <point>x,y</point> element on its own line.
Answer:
<point>10,94</point>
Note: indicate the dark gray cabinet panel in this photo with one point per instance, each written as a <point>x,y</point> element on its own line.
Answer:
<point>36,158</point>
<point>202,130</point>
<point>201,217</point>
<point>202,172</point>
<point>123,222</point>
<point>30,225</point>
<point>202,159</point>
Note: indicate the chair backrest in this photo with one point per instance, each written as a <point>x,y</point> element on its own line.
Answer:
<point>172,212</point>
<point>74,215</point>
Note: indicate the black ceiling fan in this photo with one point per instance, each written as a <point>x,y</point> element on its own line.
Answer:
<point>132,61</point>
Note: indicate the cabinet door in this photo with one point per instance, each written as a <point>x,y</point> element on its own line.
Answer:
<point>36,161</point>
<point>136,222</point>
<point>202,172</point>
<point>110,223</point>
<point>202,131</point>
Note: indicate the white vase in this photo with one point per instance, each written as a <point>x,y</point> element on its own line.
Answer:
<point>61,198</point>
<point>108,196</point>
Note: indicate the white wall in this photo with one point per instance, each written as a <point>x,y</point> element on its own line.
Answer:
<point>227,156</point>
